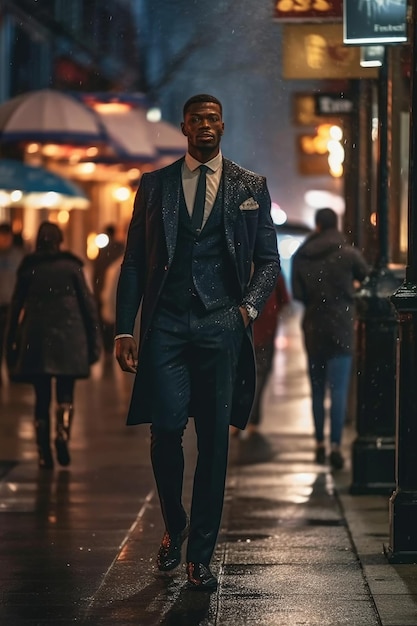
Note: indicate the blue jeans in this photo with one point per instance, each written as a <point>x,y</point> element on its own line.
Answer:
<point>332,374</point>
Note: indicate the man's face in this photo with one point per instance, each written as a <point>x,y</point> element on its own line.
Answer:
<point>203,126</point>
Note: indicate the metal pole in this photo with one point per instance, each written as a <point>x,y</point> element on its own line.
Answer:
<point>403,502</point>
<point>385,119</point>
<point>373,451</point>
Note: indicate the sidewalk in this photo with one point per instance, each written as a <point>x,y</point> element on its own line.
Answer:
<point>78,545</point>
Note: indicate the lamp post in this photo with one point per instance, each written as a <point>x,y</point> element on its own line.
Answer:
<point>403,502</point>
<point>373,451</point>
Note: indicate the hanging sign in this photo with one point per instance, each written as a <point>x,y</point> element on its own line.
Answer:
<point>308,10</point>
<point>374,21</point>
<point>372,56</point>
<point>333,104</point>
<point>304,111</point>
<point>316,51</point>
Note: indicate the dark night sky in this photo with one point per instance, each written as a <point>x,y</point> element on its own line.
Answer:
<point>234,51</point>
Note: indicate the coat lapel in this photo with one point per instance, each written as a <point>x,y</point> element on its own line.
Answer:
<point>171,189</point>
<point>230,204</point>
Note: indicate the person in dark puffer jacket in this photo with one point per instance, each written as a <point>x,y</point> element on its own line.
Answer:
<point>53,334</point>
<point>324,270</point>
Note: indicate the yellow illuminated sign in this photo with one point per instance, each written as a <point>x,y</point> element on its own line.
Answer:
<point>308,9</point>
<point>317,51</point>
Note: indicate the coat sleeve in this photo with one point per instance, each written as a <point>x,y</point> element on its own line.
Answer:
<point>131,281</point>
<point>14,317</point>
<point>266,263</point>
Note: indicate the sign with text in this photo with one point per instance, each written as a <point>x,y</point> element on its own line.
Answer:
<point>308,10</point>
<point>374,21</point>
<point>317,51</point>
<point>333,104</point>
<point>304,111</point>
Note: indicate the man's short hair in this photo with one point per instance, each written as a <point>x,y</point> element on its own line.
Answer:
<point>201,97</point>
<point>326,218</point>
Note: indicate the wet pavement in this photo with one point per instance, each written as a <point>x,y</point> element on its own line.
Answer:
<point>78,545</point>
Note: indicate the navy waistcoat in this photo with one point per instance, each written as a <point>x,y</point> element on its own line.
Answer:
<point>201,268</point>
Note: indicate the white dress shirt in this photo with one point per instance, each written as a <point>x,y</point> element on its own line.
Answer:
<point>190,175</point>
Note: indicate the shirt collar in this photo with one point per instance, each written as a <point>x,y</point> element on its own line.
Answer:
<point>214,164</point>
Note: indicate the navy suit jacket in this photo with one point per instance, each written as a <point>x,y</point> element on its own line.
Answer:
<point>252,245</point>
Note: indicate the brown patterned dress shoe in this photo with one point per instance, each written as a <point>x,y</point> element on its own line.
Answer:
<point>169,553</point>
<point>200,578</point>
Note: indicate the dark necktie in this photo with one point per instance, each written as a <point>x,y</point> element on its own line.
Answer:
<point>200,199</point>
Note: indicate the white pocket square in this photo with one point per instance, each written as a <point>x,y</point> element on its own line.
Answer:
<point>249,205</point>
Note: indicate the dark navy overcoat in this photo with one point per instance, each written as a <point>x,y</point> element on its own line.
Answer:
<point>252,244</point>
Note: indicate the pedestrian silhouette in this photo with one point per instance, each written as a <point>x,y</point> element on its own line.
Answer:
<point>53,334</point>
<point>324,270</point>
<point>10,257</point>
<point>265,328</point>
<point>106,257</point>
<point>264,332</point>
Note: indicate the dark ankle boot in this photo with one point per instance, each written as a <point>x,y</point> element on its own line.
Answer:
<point>45,460</point>
<point>64,414</point>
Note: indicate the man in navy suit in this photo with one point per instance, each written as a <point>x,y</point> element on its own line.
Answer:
<point>201,260</point>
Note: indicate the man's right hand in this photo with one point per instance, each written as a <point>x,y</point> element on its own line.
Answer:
<point>126,353</point>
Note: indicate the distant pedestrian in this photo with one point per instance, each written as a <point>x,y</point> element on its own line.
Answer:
<point>106,257</point>
<point>324,270</point>
<point>264,332</point>
<point>53,334</point>
<point>10,258</point>
<point>108,292</point>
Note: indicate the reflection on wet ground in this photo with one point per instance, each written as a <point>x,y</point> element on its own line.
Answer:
<point>79,545</point>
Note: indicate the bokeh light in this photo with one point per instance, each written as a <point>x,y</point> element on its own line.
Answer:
<point>278,215</point>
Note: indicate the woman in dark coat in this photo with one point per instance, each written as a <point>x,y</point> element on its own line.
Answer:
<point>53,334</point>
